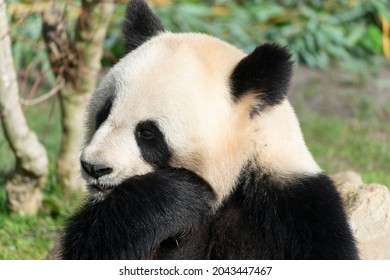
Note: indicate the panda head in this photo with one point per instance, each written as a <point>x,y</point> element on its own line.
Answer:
<point>191,101</point>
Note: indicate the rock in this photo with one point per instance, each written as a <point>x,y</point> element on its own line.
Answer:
<point>368,209</point>
<point>348,176</point>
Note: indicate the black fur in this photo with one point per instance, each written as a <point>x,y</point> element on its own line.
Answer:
<point>151,142</point>
<point>140,25</point>
<point>303,219</point>
<point>103,113</point>
<point>165,215</point>
<point>266,72</point>
<point>159,215</point>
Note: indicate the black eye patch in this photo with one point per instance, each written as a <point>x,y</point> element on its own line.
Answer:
<point>152,144</point>
<point>103,113</point>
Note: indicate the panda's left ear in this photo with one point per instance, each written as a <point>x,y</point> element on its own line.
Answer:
<point>265,73</point>
<point>140,24</point>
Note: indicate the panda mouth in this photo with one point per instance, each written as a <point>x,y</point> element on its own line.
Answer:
<point>102,187</point>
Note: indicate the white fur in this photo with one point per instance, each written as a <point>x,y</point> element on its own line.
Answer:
<point>182,82</point>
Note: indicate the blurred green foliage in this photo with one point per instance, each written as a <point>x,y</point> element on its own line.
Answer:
<point>316,32</point>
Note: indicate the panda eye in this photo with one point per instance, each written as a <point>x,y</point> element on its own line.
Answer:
<point>145,134</point>
<point>151,143</point>
<point>147,130</point>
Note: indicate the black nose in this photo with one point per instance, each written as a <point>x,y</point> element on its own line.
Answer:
<point>96,170</point>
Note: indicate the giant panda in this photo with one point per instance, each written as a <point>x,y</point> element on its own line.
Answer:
<point>193,151</point>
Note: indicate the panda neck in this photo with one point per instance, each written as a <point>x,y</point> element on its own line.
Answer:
<point>256,185</point>
<point>279,146</point>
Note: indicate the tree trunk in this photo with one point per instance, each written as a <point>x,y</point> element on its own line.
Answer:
<point>23,190</point>
<point>78,63</point>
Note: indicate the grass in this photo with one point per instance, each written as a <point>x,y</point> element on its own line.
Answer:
<point>31,237</point>
<point>27,237</point>
<point>359,142</point>
<point>339,144</point>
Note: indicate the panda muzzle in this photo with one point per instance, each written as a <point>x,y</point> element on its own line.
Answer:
<point>103,187</point>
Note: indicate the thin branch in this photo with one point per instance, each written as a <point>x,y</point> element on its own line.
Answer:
<point>49,121</point>
<point>44,97</point>
<point>16,24</point>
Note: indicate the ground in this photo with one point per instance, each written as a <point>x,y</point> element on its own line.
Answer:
<point>336,91</point>
<point>345,116</point>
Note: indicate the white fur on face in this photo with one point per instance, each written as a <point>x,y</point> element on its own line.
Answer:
<point>181,81</point>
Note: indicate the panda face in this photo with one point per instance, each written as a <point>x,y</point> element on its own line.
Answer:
<point>167,104</point>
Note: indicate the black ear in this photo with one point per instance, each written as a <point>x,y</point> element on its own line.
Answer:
<point>140,24</point>
<point>266,72</point>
